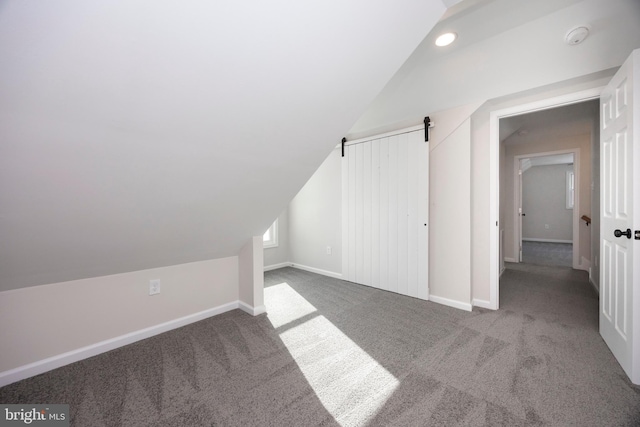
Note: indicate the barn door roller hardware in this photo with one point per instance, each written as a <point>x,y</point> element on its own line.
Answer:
<point>427,124</point>
<point>343,142</point>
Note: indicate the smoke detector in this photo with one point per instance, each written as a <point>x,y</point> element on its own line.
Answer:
<point>576,36</point>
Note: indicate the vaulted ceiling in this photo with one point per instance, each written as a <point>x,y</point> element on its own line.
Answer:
<point>138,133</point>
<point>143,133</point>
<point>503,47</point>
<point>555,123</point>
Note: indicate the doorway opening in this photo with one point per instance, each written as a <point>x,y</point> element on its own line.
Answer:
<point>547,208</point>
<point>552,184</point>
<point>539,129</point>
<point>615,168</point>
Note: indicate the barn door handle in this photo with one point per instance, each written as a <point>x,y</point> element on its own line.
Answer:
<point>619,233</point>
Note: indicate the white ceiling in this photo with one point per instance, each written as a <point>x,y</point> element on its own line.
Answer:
<point>503,47</point>
<point>556,123</point>
<point>143,133</point>
<point>558,159</point>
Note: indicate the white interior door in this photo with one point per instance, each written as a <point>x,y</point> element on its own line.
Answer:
<point>620,213</point>
<point>385,192</point>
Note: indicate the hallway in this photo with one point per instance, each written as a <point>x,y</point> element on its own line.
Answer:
<point>547,253</point>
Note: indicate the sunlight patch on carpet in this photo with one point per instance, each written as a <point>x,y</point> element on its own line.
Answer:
<point>351,385</point>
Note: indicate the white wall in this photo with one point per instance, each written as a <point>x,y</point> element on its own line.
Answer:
<point>137,151</point>
<point>251,276</point>
<point>46,321</point>
<point>279,254</point>
<point>311,197</point>
<point>315,213</point>
<point>544,203</point>
<point>315,219</point>
<point>450,216</point>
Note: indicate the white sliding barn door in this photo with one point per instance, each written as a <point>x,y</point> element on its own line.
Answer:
<point>620,216</point>
<point>385,192</point>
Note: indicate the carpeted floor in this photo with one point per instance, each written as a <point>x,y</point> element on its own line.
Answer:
<point>547,253</point>
<point>333,353</point>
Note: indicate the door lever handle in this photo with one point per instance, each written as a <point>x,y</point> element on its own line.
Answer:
<point>619,233</point>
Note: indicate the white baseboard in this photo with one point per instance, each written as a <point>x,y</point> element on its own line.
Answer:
<point>585,264</point>
<point>510,259</point>
<point>451,303</point>
<point>277,266</point>
<point>254,311</point>
<point>481,303</point>
<point>317,270</point>
<point>531,239</point>
<point>50,363</point>
<point>303,267</point>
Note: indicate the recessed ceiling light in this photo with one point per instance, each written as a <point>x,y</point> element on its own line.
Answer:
<point>446,39</point>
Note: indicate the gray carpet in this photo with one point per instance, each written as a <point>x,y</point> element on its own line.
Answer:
<point>547,253</point>
<point>333,353</point>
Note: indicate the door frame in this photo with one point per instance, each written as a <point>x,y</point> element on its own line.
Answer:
<point>575,215</point>
<point>494,172</point>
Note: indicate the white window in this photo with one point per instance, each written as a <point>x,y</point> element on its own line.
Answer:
<point>571,185</point>
<point>270,237</point>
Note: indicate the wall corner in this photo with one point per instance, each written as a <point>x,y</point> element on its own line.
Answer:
<point>251,276</point>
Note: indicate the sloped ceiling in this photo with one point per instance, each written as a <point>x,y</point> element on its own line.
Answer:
<point>561,122</point>
<point>503,47</point>
<point>143,133</point>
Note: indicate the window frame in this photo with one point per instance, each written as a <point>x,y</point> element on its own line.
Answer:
<point>570,188</point>
<point>272,242</point>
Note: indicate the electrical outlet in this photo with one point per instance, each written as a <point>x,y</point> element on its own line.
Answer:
<point>154,287</point>
<point>328,250</point>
